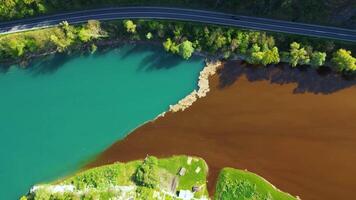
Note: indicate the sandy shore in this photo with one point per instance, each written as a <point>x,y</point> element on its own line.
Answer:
<point>298,132</point>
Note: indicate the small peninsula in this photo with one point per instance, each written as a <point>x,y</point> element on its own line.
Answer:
<point>177,177</point>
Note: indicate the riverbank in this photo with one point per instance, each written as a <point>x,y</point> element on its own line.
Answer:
<point>150,178</point>
<point>258,119</point>
<point>184,39</point>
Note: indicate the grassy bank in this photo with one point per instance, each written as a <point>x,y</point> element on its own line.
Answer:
<point>151,178</point>
<point>155,178</point>
<point>240,185</point>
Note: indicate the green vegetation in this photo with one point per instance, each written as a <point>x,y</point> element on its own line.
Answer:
<point>130,26</point>
<point>242,185</point>
<point>180,38</point>
<point>184,49</point>
<point>151,179</point>
<point>10,9</point>
<point>155,178</point>
<point>298,55</point>
<point>344,61</point>
<point>62,38</point>
<point>147,173</point>
<point>331,12</point>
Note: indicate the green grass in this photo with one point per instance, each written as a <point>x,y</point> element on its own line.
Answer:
<point>101,177</point>
<point>242,185</point>
<point>191,178</point>
<point>99,183</point>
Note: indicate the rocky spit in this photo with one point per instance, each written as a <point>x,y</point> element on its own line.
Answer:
<point>203,87</point>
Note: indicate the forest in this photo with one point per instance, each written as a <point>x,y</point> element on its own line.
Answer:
<point>328,12</point>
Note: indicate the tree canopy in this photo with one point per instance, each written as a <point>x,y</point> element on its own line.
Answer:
<point>317,59</point>
<point>130,26</point>
<point>265,56</point>
<point>344,60</point>
<point>186,49</point>
<point>298,55</point>
<point>147,173</point>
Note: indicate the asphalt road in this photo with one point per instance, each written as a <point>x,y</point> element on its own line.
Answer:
<point>180,14</point>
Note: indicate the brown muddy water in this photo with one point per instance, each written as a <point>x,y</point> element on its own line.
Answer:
<point>294,127</point>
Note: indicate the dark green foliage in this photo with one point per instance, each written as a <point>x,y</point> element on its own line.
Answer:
<point>311,11</point>
<point>10,9</point>
<point>344,61</point>
<point>147,173</point>
<point>317,59</point>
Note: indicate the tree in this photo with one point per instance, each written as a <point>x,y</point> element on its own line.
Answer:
<point>167,44</point>
<point>130,26</point>
<point>186,49</point>
<point>149,35</point>
<point>17,47</point>
<point>170,46</point>
<point>243,41</point>
<point>271,56</point>
<point>147,173</point>
<point>84,35</point>
<point>61,43</point>
<point>65,38</point>
<point>177,31</point>
<point>298,55</point>
<point>317,59</point>
<point>344,61</point>
<point>20,8</point>
<point>219,42</point>
<point>91,30</point>
<point>256,55</point>
<point>265,57</point>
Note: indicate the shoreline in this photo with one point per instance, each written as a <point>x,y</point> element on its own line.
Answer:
<point>203,87</point>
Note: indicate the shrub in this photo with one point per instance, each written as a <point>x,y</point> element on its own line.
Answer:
<point>147,173</point>
<point>344,61</point>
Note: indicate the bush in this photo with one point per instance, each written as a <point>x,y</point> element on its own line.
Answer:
<point>147,173</point>
<point>344,61</point>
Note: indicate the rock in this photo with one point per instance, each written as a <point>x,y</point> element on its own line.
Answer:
<point>203,85</point>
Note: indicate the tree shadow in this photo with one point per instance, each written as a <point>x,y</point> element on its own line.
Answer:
<point>308,80</point>
<point>40,66</point>
<point>158,60</point>
<point>155,59</point>
<point>136,49</point>
<point>49,64</point>
<point>4,68</point>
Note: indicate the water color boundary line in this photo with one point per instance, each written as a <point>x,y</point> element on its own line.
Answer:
<point>203,87</point>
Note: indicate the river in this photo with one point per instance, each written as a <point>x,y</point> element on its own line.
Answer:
<point>58,113</point>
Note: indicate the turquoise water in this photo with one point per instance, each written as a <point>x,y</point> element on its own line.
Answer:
<point>59,113</point>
